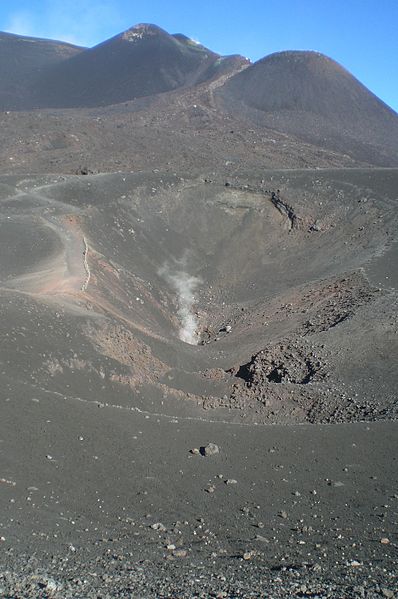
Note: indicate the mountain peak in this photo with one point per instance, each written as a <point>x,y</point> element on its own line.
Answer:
<point>141,61</point>
<point>307,59</point>
<point>141,31</point>
<point>298,55</point>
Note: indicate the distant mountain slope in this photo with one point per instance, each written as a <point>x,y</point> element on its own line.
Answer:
<point>22,60</point>
<point>305,95</point>
<point>311,96</point>
<point>142,61</point>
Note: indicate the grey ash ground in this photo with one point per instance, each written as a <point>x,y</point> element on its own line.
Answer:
<point>273,252</point>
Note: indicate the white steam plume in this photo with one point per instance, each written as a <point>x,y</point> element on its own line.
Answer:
<point>185,285</point>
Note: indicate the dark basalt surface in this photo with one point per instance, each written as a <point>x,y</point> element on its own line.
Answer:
<point>215,263</point>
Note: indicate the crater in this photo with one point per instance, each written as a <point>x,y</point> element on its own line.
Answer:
<point>205,295</point>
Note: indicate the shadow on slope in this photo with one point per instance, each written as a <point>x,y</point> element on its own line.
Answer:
<point>22,61</point>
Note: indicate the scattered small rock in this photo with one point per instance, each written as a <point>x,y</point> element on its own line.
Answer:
<point>354,563</point>
<point>48,584</point>
<point>317,568</point>
<point>158,526</point>
<point>84,170</point>
<point>180,553</point>
<point>231,481</point>
<point>209,449</point>
<point>261,539</point>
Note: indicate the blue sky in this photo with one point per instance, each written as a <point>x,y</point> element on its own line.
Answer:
<point>360,34</point>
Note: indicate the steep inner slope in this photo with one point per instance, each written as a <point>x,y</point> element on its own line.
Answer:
<point>309,95</point>
<point>168,295</point>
